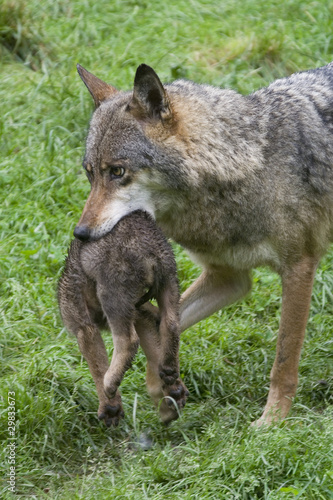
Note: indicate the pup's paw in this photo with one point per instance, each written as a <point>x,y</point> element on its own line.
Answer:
<point>174,400</point>
<point>177,392</point>
<point>111,384</point>
<point>111,411</point>
<point>169,375</point>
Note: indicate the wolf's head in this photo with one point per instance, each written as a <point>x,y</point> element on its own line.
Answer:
<point>131,155</point>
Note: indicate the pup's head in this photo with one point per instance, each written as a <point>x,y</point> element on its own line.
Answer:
<point>127,150</point>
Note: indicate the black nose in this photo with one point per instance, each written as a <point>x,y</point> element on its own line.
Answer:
<point>82,233</point>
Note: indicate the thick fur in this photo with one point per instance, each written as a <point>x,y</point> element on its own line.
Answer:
<point>102,287</point>
<point>239,181</point>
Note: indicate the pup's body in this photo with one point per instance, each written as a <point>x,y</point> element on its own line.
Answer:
<point>239,181</point>
<point>103,285</point>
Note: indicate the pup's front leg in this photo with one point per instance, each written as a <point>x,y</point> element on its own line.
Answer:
<point>93,350</point>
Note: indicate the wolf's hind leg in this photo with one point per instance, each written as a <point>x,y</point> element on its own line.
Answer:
<point>297,285</point>
<point>93,350</point>
<point>215,288</point>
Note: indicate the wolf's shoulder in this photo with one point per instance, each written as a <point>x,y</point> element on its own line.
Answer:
<point>313,79</point>
<point>200,91</point>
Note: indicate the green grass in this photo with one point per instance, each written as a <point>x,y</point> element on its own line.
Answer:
<point>63,451</point>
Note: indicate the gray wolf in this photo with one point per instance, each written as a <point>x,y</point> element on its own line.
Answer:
<point>105,285</point>
<point>238,181</point>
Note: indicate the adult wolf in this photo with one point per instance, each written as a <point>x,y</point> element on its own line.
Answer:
<point>239,181</point>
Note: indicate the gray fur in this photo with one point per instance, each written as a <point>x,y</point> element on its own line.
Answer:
<point>234,153</point>
<point>239,181</point>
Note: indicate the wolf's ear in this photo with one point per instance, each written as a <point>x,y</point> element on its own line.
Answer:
<point>149,95</point>
<point>99,90</point>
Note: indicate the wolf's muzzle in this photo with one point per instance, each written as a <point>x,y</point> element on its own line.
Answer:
<point>82,233</point>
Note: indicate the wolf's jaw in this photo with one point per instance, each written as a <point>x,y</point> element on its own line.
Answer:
<point>117,211</point>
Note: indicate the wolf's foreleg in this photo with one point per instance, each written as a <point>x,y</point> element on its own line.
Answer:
<point>215,288</point>
<point>297,285</point>
<point>93,350</point>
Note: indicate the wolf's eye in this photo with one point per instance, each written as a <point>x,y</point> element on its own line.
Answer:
<point>117,171</point>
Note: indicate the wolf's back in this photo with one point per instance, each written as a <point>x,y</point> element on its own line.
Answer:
<point>297,119</point>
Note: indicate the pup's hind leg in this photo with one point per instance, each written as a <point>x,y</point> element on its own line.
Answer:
<point>159,338</point>
<point>79,309</point>
<point>146,326</point>
<point>125,346</point>
<point>296,296</point>
<point>174,389</point>
<point>93,349</point>
<point>120,315</point>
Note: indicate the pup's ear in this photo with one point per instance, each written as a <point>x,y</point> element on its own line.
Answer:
<point>99,90</point>
<point>149,95</point>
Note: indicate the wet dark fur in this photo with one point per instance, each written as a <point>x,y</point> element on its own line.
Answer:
<point>102,287</point>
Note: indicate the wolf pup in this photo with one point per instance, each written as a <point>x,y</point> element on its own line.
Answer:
<point>104,285</point>
<point>239,181</point>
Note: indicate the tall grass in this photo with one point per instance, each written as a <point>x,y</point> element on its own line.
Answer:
<point>211,452</point>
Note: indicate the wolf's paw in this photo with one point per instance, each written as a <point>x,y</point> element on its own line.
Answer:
<point>111,412</point>
<point>174,400</point>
